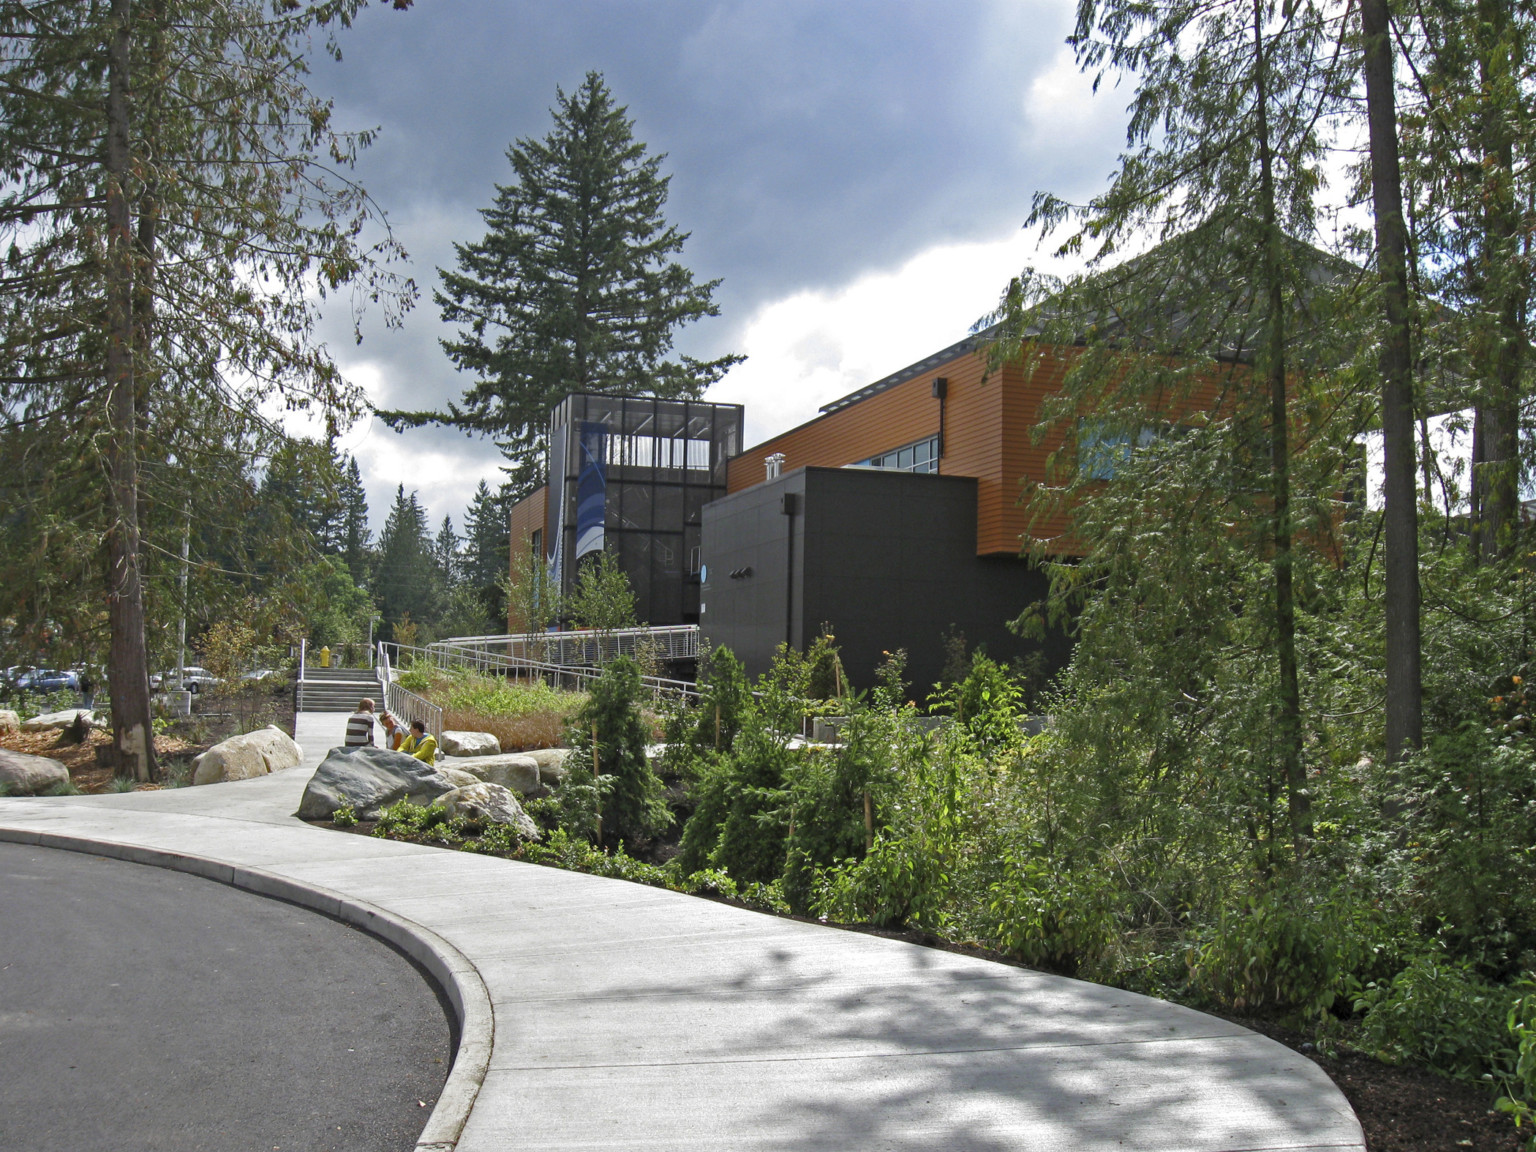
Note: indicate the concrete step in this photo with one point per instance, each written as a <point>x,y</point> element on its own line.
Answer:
<point>349,674</point>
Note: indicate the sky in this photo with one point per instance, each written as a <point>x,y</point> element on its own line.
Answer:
<point>856,173</point>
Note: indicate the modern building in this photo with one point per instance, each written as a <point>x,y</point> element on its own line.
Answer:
<point>892,519</point>
<point>630,476</point>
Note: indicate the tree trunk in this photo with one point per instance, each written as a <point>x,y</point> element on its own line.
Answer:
<point>1404,720</point>
<point>127,667</point>
<point>1503,289</point>
<point>1299,800</point>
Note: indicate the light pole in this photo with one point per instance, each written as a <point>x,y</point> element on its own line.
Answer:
<point>371,653</point>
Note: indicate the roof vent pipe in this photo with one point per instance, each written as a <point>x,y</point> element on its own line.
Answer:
<point>774,465</point>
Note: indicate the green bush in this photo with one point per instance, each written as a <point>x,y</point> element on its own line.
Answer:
<point>623,794</point>
<point>1439,1013</point>
<point>1520,1098</point>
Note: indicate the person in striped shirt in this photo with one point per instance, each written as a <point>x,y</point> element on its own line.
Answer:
<point>360,725</point>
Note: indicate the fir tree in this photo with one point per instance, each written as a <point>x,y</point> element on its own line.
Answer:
<point>487,546</point>
<point>445,554</point>
<point>405,579</point>
<point>356,537</point>
<point>172,210</point>
<point>573,288</point>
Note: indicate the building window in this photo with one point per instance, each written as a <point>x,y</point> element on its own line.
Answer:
<point>1102,449</point>
<point>921,456</point>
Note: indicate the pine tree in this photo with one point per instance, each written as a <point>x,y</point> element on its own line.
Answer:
<point>573,288</point>
<point>355,534</point>
<point>405,578</point>
<point>445,555</point>
<point>171,211</point>
<point>487,546</point>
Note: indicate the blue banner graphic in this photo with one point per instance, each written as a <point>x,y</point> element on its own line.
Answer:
<point>591,489</point>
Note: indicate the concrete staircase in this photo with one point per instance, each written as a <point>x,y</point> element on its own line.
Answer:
<point>336,689</point>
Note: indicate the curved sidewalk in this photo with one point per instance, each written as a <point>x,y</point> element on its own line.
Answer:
<point>598,1014</point>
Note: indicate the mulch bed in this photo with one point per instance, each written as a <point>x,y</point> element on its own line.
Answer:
<point>80,759</point>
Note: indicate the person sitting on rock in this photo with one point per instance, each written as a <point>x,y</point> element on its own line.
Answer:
<point>360,725</point>
<point>419,744</point>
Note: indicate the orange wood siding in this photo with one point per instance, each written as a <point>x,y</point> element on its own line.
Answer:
<point>528,516</point>
<point>888,420</point>
<point>974,438</point>
<point>1024,465</point>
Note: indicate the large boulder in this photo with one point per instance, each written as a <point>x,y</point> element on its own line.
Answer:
<point>469,744</point>
<point>245,757</point>
<point>56,721</point>
<point>456,776</point>
<point>551,762</point>
<point>23,775</point>
<point>9,721</point>
<point>510,770</point>
<point>370,779</point>
<point>490,804</point>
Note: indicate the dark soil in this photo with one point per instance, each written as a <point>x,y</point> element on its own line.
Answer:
<point>1408,1109</point>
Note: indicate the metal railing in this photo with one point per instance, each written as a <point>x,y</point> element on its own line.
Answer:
<point>449,654</point>
<point>586,648</point>
<point>404,704</point>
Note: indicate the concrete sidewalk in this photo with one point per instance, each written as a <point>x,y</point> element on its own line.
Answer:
<point>598,1014</point>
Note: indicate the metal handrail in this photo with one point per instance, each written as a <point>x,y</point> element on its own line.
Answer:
<point>404,704</point>
<point>582,648</point>
<point>447,654</point>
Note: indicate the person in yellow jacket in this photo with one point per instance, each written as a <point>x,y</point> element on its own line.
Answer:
<point>419,744</point>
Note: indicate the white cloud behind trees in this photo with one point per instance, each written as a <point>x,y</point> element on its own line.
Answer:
<point>857,174</point>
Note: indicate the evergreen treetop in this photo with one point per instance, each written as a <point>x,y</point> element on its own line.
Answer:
<point>574,287</point>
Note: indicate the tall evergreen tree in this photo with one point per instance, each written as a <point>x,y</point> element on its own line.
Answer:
<point>1404,704</point>
<point>302,491</point>
<point>355,534</point>
<point>170,206</point>
<point>405,578</point>
<point>445,554</point>
<point>574,287</point>
<point>487,549</point>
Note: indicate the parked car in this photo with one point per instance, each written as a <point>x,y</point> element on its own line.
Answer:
<point>47,680</point>
<point>194,678</point>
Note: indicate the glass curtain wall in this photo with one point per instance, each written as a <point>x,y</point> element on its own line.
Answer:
<point>630,475</point>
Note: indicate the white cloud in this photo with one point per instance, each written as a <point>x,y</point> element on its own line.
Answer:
<point>812,347</point>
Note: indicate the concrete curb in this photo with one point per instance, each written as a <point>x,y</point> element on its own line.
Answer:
<point>458,978</point>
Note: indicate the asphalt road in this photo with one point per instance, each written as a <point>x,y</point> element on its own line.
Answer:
<point>147,1009</point>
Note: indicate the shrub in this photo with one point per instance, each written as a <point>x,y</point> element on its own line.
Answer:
<point>609,780</point>
<point>1437,1012</point>
<point>1520,1098</point>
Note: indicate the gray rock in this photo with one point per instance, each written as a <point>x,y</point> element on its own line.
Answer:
<point>23,775</point>
<point>456,776</point>
<point>551,762</point>
<point>491,804</point>
<point>510,770</point>
<point>247,756</point>
<point>54,721</point>
<point>548,757</point>
<point>469,744</point>
<point>9,721</point>
<point>370,779</point>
